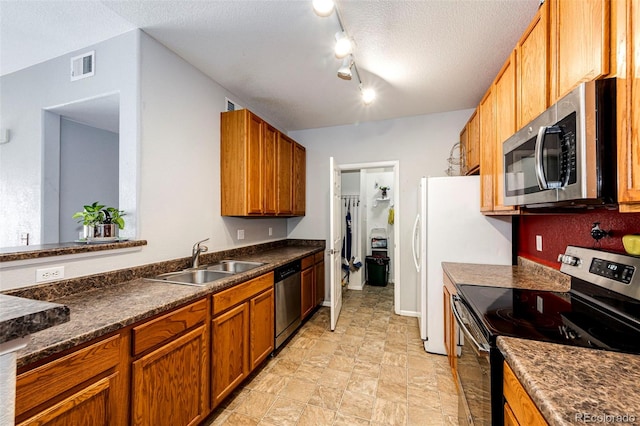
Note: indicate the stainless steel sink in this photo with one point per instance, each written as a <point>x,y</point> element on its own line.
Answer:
<point>233,266</point>
<point>196,277</point>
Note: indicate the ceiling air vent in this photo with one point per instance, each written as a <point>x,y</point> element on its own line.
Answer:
<point>231,105</point>
<point>83,66</point>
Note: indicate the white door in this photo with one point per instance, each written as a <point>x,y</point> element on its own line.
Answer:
<point>335,241</point>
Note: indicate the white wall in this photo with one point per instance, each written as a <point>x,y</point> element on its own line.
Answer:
<point>421,144</point>
<point>177,172</point>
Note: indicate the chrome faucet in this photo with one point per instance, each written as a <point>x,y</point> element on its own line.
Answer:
<point>195,253</point>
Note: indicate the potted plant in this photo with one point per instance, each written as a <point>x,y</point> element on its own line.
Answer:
<point>101,223</point>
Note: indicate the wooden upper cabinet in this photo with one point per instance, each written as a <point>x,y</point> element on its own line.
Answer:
<point>487,144</point>
<point>533,70</point>
<point>505,125</point>
<point>261,172</point>
<point>285,175</point>
<point>579,43</point>
<point>269,176</point>
<point>628,107</point>
<point>299,179</point>
<point>472,146</point>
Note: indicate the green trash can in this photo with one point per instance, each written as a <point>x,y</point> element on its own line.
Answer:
<point>377,270</point>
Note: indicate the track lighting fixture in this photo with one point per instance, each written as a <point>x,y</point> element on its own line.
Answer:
<point>344,49</point>
<point>323,7</point>
<point>344,45</point>
<point>344,72</point>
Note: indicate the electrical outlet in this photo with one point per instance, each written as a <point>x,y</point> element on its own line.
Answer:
<point>270,231</point>
<point>241,234</point>
<point>49,274</point>
<point>539,242</point>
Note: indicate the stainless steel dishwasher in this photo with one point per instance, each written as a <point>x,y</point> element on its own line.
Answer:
<point>288,301</point>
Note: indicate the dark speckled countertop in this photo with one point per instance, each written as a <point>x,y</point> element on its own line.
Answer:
<point>105,309</point>
<point>574,385</point>
<point>20,317</point>
<point>527,275</point>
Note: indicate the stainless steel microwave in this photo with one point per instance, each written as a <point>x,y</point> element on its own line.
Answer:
<point>567,155</point>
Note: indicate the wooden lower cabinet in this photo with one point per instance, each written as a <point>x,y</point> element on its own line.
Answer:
<point>450,329</point>
<point>261,327</point>
<point>319,277</point>
<point>230,339</point>
<point>242,333</point>
<point>83,387</point>
<point>170,383</point>
<point>519,409</point>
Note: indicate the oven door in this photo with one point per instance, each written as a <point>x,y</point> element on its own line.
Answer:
<point>474,369</point>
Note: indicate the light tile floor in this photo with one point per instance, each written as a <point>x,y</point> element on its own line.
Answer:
<point>372,370</point>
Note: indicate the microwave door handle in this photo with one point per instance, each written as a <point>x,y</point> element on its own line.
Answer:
<point>541,178</point>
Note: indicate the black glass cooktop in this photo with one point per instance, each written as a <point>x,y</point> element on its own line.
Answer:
<point>549,316</point>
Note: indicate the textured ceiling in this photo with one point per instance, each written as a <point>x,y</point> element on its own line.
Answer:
<point>276,56</point>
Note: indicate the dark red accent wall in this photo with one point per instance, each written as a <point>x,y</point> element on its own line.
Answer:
<point>560,230</point>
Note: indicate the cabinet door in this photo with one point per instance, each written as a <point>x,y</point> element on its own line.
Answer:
<point>262,327</point>
<point>254,165</point>
<point>319,279</point>
<point>464,150</point>
<point>533,69</point>
<point>269,181</point>
<point>89,406</point>
<point>299,179</point>
<point>473,145</point>
<point>628,108</point>
<point>505,120</point>
<point>450,338</point>
<point>285,171</point>
<point>170,383</point>
<point>509,417</point>
<point>580,43</point>
<point>307,291</point>
<point>230,342</point>
<point>487,144</point>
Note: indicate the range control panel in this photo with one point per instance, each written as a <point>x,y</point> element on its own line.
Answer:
<point>612,270</point>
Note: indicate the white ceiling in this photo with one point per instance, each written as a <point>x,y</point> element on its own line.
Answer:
<point>276,56</point>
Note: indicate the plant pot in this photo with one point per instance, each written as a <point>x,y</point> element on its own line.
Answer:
<point>101,233</point>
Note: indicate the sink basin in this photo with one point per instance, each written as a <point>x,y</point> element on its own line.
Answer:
<point>197,277</point>
<point>233,266</point>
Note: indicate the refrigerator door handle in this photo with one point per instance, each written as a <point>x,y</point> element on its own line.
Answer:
<point>415,242</point>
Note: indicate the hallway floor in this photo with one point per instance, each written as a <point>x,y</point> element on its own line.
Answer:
<point>372,370</point>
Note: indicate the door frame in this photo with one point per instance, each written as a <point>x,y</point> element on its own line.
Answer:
<point>395,165</point>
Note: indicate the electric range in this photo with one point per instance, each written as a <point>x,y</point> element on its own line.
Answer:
<point>601,311</point>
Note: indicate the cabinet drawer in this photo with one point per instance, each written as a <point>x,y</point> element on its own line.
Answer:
<point>318,257</point>
<point>519,401</point>
<point>307,262</point>
<point>50,380</point>
<point>238,294</point>
<point>168,326</point>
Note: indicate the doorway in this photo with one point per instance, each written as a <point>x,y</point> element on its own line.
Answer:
<point>370,190</point>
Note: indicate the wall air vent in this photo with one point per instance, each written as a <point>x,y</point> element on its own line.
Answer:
<point>231,105</point>
<point>83,66</point>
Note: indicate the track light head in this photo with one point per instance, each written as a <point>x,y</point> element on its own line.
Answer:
<point>344,45</point>
<point>323,8</point>
<point>368,95</point>
<point>344,72</point>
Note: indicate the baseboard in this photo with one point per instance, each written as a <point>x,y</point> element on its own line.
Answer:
<point>409,313</point>
<point>355,287</point>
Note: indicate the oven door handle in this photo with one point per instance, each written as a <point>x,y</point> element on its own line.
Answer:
<point>482,349</point>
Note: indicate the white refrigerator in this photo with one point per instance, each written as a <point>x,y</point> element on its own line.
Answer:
<point>450,228</point>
